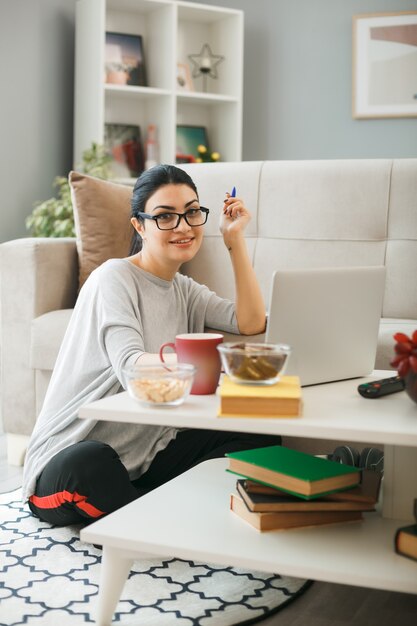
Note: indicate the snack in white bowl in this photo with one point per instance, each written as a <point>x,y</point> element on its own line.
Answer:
<point>160,385</point>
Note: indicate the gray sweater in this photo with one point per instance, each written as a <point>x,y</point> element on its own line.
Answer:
<point>121,312</point>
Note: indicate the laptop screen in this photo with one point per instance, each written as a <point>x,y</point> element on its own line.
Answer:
<point>330,317</point>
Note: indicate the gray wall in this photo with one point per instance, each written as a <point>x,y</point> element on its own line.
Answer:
<point>36,104</point>
<point>297,95</point>
<point>298,86</point>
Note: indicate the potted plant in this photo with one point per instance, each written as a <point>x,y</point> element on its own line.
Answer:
<point>55,217</point>
<point>204,156</point>
<point>405,361</point>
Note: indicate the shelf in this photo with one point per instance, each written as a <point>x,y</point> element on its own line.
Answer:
<point>201,527</point>
<point>136,6</point>
<point>135,92</point>
<point>205,98</point>
<point>202,14</point>
<point>340,414</point>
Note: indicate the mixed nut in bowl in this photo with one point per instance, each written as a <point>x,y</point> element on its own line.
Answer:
<point>254,363</point>
<point>161,384</point>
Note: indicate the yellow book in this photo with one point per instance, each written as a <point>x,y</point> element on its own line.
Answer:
<point>283,399</point>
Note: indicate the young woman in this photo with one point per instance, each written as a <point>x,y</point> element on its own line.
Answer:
<point>78,470</point>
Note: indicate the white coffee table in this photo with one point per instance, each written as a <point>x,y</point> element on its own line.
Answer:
<point>189,517</point>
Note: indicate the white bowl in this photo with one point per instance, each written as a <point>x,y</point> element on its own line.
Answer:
<point>160,385</point>
<point>254,363</point>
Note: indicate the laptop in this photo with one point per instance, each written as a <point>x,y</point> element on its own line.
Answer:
<point>330,317</point>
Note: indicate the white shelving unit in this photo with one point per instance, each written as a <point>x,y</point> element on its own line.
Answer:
<point>170,31</point>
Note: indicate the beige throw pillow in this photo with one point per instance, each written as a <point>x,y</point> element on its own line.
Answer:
<point>102,221</point>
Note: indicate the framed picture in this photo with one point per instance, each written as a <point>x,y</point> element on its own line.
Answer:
<point>184,80</point>
<point>124,59</point>
<point>124,145</point>
<point>385,65</point>
<point>188,139</point>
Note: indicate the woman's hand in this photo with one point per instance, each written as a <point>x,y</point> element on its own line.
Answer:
<point>250,308</point>
<point>233,219</point>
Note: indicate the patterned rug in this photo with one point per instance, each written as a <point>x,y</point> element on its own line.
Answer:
<point>48,577</point>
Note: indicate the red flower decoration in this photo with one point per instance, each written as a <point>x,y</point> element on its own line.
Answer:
<point>406,354</point>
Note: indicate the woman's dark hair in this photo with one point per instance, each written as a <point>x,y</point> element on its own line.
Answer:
<point>147,184</point>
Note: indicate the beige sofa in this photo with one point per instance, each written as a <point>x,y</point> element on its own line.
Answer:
<point>305,214</point>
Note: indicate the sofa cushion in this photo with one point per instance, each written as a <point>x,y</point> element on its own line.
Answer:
<point>47,333</point>
<point>325,200</point>
<point>211,266</point>
<point>102,221</point>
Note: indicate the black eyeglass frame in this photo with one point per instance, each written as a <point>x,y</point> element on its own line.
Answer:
<point>155,218</point>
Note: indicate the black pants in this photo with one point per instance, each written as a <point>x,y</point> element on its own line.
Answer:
<point>87,480</point>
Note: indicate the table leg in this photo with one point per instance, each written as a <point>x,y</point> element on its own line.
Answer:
<point>400,482</point>
<point>115,568</point>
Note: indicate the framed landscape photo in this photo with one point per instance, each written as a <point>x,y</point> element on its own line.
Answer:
<point>124,59</point>
<point>184,80</point>
<point>187,141</point>
<point>124,145</point>
<point>385,65</point>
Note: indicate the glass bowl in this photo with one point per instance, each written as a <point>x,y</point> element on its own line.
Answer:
<point>254,363</point>
<point>160,385</point>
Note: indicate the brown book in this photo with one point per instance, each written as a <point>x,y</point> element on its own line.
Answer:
<point>366,492</point>
<point>283,399</point>
<point>290,519</point>
<point>279,501</point>
<point>405,541</point>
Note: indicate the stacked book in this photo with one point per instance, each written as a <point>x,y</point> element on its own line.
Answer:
<point>282,399</point>
<point>405,539</point>
<point>283,488</point>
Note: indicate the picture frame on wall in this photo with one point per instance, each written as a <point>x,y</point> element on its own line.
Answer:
<point>124,60</point>
<point>384,65</point>
<point>184,80</point>
<point>123,143</point>
<point>188,139</point>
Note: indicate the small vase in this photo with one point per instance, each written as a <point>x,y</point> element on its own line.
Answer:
<point>411,385</point>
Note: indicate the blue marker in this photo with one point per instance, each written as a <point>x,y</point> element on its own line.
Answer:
<point>233,194</point>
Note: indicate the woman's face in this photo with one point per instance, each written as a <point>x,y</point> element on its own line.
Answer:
<point>183,242</point>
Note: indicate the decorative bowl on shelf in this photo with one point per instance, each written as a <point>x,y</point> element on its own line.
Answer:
<point>254,363</point>
<point>161,384</point>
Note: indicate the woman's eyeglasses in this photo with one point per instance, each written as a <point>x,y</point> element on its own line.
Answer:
<point>169,221</point>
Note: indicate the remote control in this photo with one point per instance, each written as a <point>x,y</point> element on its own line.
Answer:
<point>378,388</point>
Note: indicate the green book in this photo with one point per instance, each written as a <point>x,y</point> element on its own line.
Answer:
<point>294,472</point>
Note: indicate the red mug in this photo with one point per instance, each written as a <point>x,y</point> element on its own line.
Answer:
<point>199,349</point>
